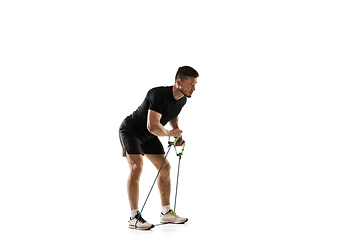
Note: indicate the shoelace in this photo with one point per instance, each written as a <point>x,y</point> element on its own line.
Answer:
<point>140,218</point>
<point>172,213</point>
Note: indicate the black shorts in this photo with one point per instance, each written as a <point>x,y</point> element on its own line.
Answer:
<point>133,142</point>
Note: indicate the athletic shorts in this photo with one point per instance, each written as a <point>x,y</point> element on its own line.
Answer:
<point>133,142</point>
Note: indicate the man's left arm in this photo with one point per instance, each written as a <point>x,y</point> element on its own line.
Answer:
<point>174,123</point>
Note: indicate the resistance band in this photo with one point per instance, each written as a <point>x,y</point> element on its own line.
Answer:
<point>177,178</point>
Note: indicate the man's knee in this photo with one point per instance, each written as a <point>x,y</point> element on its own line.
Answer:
<point>136,170</point>
<point>135,165</point>
<point>166,169</point>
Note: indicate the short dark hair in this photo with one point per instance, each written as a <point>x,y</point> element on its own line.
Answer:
<point>184,72</point>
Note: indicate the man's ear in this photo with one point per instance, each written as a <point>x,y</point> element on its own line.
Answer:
<point>178,82</point>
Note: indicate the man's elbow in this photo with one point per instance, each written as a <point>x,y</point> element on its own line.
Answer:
<point>150,128</point>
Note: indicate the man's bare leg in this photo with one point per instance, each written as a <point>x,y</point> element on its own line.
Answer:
<point>135,164</point>
<point>164,182</point>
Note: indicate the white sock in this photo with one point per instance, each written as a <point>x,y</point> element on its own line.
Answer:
<point>165,209</point>
<point>134,212</point>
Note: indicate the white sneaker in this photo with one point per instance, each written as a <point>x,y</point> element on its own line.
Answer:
<point>141,223</point>
<point>171,217</point>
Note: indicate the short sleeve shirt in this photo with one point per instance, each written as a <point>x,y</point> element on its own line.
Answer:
<point>161,100</point>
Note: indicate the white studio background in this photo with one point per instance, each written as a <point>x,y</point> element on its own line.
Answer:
<point>272,130</point>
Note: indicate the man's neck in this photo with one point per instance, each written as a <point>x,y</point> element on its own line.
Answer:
<point>176,93</point>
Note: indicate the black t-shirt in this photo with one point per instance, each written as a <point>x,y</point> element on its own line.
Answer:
<point>161,100</point>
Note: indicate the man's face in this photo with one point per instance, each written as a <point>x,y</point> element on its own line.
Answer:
<point>187,87</point>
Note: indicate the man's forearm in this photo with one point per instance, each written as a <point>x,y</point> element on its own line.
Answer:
<point>155,127</point>
<point>158,130</point>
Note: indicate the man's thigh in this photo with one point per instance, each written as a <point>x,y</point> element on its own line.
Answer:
<point>157,160</point>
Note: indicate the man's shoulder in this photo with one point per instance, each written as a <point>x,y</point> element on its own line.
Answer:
<point>159,91</point>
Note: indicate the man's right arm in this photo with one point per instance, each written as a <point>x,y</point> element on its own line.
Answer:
<point>155,127</point>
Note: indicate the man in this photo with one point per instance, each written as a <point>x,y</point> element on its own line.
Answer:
<point>139,134</point>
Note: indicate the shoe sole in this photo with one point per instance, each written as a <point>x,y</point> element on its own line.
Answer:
<point>139,228</point>
<point>175,222</point>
